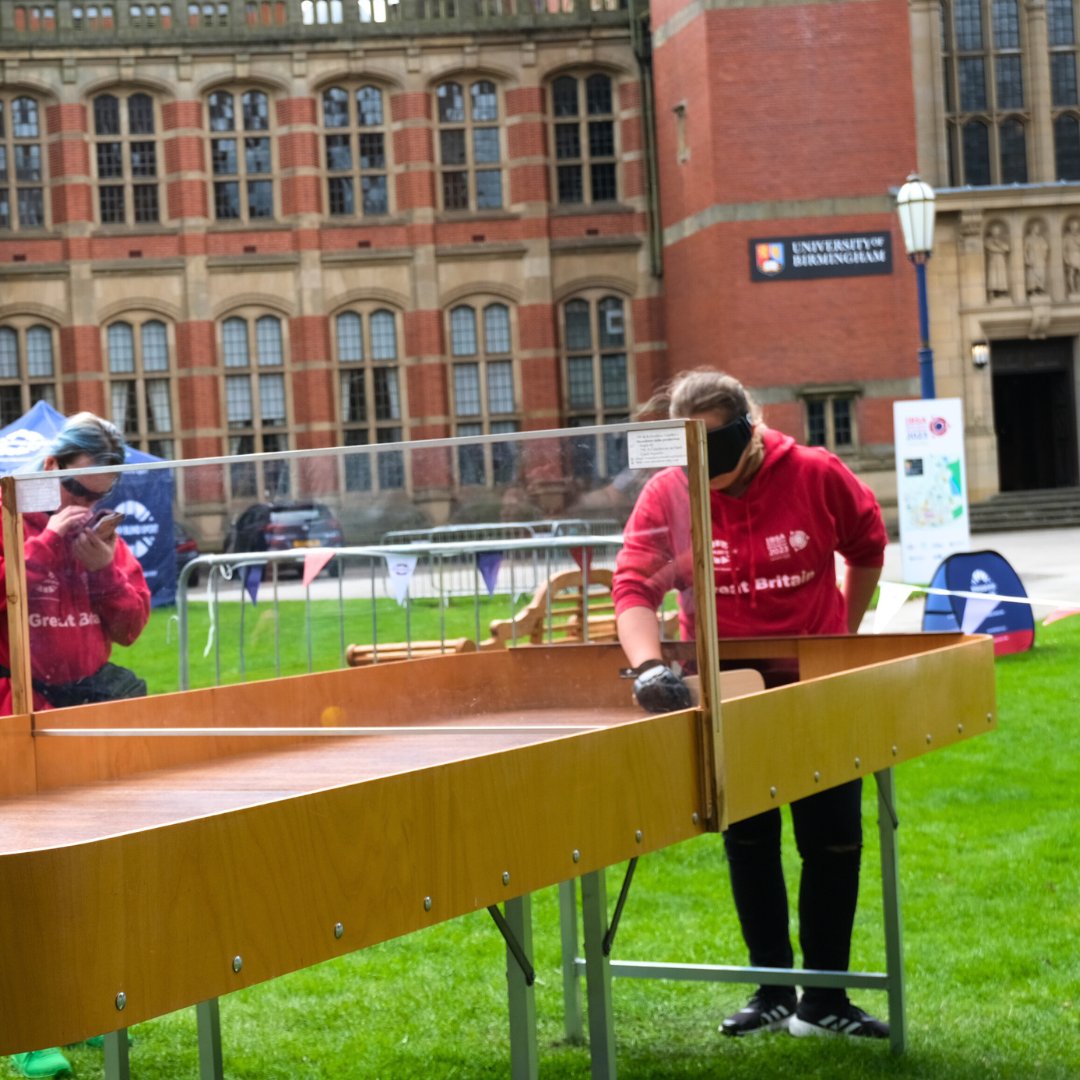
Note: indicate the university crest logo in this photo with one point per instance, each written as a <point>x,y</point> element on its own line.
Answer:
<point>769,257</point>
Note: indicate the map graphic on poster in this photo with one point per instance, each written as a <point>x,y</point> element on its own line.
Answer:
<point>931,485</point>
<point>933,496</point>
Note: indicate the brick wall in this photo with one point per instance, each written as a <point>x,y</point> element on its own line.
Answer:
<point>792,114</point>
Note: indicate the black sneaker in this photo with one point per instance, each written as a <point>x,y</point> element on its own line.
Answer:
<point>763,1012</point>
<point>849,1020</point>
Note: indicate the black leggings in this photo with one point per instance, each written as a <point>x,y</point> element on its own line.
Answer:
<point>828,832</point>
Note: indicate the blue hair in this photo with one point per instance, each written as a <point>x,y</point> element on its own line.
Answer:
<point>85,433</point>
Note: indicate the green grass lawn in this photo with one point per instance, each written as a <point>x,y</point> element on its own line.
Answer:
<point>294,636</point>
<point>991,907</point>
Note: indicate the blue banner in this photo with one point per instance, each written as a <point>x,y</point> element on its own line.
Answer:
<point>988,574</point>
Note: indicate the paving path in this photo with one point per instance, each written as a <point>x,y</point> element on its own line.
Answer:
<point>1047,561</point>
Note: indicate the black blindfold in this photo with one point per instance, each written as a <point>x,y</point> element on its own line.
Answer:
<point>726,445</point>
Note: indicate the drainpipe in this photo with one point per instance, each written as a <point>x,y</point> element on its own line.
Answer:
<point>641,42</point>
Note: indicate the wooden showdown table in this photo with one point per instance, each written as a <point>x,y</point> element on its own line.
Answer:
<point>174,849</point>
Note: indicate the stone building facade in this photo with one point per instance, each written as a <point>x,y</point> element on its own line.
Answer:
<point>998,121</point>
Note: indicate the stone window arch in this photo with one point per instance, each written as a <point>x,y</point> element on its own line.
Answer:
<point>470,145</point>
<point>371,408</point>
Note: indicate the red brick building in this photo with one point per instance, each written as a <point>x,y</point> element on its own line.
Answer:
<point>245,225</point>
<point>790,120</point>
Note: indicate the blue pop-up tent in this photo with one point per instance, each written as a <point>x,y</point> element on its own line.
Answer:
<point>144,496</point>
<point>980,576</point>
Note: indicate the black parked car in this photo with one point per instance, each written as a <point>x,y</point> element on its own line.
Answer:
<point>285,526</point>
<point>186,549</point>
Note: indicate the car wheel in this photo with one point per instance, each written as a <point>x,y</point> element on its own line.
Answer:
<point>193,580</point>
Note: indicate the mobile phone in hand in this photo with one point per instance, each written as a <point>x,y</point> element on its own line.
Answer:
<point>104,522</point>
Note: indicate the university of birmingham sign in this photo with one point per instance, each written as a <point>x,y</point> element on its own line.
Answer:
<point>797,258</point>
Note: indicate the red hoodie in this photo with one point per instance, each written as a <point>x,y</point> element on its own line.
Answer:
<point>773,547</point>
<point>75,614</point>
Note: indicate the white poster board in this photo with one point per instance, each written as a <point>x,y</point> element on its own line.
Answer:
<point>931,484</point>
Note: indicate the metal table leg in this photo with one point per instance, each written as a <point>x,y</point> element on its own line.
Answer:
<point>890,895</point>
<point>524,1063</point>
<point>116,1055</point>
<point>571,986</point>
<point>208,1019</point>
<point>598,976</point>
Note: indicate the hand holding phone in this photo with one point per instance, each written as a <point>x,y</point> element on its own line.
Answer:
<point>104,522</point>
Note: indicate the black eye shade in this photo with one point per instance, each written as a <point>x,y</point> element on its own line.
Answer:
<point>81,491</point>
<point>726,444</point>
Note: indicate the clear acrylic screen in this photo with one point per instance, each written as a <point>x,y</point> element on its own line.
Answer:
<point>276,565</point>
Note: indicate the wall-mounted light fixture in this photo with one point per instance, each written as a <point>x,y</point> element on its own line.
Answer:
<point>980,353</point>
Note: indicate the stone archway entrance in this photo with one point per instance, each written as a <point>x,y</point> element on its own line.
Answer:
<point>1035,414</point>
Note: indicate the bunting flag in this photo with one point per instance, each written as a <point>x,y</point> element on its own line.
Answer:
<point>891,598</point>
<point>400,570</point>
<point>488,563</point>
<point>583,557</point>
<point>1063,614</point>
<point>313,564</point>
<point>253,576</point>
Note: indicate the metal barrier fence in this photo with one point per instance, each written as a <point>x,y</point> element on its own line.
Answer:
<point>441,570</point>
<point>521,567</point>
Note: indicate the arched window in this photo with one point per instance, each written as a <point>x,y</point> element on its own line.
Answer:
<point>27,368</point>
<point>355,137</point>
<point>469,145</point>
<point>370,385</point>
<point>1064,99</point>
<point>141,384</point>
<point>379,11</point>
<point>92,16</point>
<point>596,380</point>
<point>985,97</point>
<point>1011,135</point>
<point>126,158</point>
<point>241,157</point>
<point>977,152</point>
<point>208,14</point>
<point>321,12</point>
<point>1067,146</point>
<point>150,15</point>
<point>34,17</point>
<point>583,119</point>
<point>256,401</point>
<point>22,176</point>
<point>485,397</point>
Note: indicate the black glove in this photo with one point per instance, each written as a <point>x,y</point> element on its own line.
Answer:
<point>659,690</point>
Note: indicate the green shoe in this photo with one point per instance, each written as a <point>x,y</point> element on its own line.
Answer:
<point>41,1063</point>
<point>98,1042</point>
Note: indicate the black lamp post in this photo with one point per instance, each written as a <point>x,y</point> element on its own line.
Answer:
<point>915,205</point>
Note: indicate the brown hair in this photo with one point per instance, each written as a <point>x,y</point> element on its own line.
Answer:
<point>701,390</point>
<point>705,390</point>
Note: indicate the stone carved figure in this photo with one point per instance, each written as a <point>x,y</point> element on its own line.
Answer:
<point>1070,244</point>
<point>997,248</point>
<point>1036,256</point>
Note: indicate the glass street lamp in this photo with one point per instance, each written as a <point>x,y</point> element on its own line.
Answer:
<point>915,206</point>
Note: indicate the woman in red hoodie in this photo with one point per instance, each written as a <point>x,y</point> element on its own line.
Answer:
<point>780,513</point>
<point>86,591</point>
